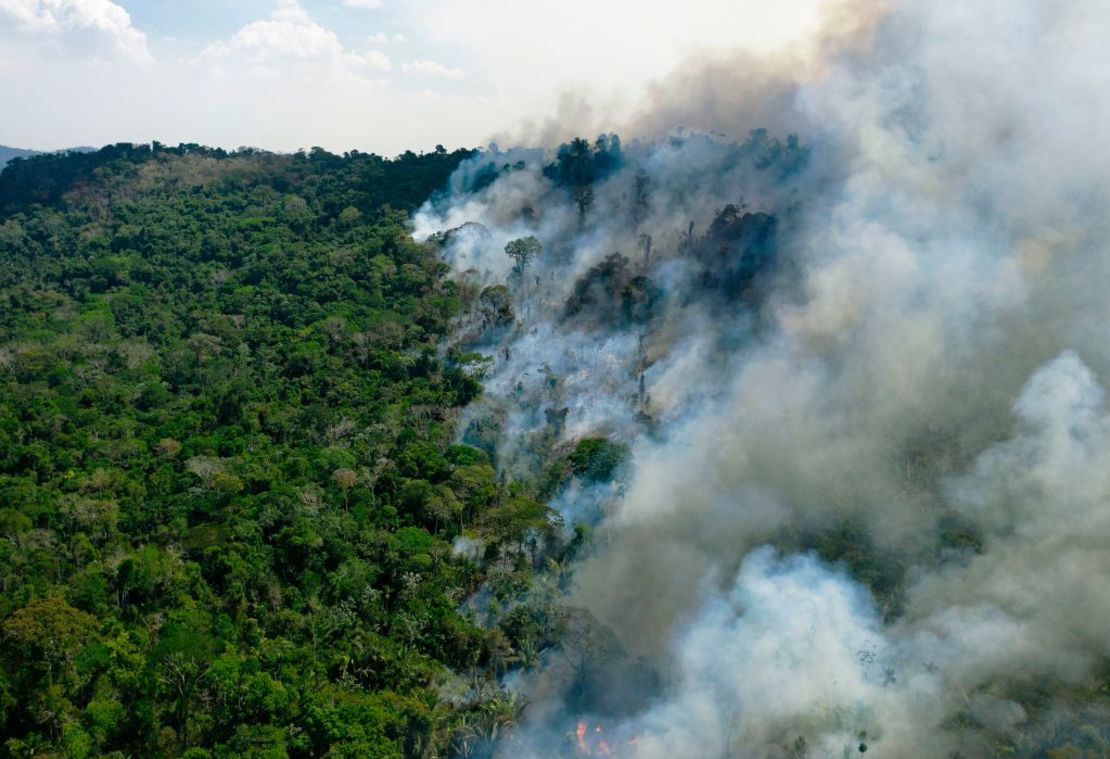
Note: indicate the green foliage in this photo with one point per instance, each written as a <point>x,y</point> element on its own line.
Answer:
<point>523,251</point>
<point>597,459</point>
<point>578,163</point>
<point>228,490</point>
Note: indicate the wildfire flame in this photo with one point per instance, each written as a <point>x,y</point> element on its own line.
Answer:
<point>592,745</point>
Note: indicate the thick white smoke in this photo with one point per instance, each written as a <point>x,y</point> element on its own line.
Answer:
<point>908,387</point>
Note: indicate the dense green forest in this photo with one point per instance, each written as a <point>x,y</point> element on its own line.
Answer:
<point>228,489</point>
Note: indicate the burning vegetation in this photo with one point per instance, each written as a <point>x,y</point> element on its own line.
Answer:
<point>856,383</point>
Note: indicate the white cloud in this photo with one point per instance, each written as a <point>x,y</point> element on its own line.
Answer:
<point>99,28</point>
<point>376,59</point>
<point>381,38</point>
<point>288,33</point>
<point>291,10</point>
<point>291,36</point>
<point>370,4</point>
<point>432,69</point>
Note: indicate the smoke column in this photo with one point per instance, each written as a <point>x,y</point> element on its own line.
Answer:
<point>861,378</point>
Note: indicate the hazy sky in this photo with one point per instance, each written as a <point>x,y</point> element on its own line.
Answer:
<point>380,75</point>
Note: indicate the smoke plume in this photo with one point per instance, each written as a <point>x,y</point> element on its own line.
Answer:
<point>860,376</point>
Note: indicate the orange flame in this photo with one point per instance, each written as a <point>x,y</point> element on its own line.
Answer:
<point>591,744</point>
<point>580,731</point>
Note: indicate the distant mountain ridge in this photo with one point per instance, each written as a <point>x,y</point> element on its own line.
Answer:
<point>7,153</point>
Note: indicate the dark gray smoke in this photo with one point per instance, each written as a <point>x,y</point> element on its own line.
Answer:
<point>861,378</point>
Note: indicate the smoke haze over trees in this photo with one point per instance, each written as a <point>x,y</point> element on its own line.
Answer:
<point>859,375</point>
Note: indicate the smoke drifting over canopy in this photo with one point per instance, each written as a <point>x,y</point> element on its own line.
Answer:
<point>861,378</point>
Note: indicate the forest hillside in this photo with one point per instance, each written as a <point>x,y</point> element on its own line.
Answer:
<point>227,484</point>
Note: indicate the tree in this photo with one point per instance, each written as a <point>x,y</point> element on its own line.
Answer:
<point>523,250</point>
<point>597,459</point>
<point>345,479</point>
<point>48,632</point>
<point>584,199</point>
